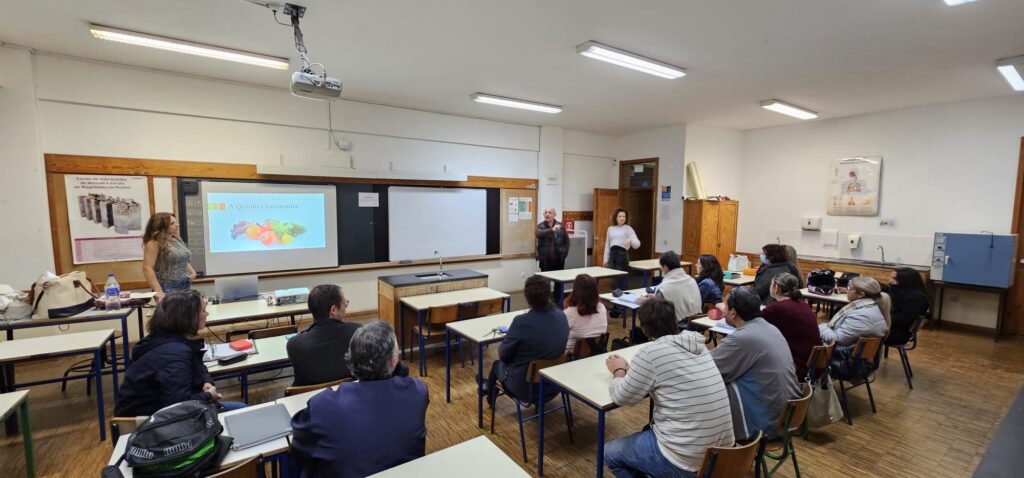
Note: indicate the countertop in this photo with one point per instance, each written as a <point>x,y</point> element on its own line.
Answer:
<point>405,280</point>
<point>859,262</point>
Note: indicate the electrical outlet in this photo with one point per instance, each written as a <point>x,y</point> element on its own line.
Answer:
<point>887,222</point>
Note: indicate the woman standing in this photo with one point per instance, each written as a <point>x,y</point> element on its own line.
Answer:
<point>617,242</point>
<point>709,279</point>
<point>165,259</point>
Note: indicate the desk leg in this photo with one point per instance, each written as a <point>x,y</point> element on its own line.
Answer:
<point>508,304</point>
<point>633,326</point>
<point>113,367</point>
<point>448,364</point>
<point>600,443</point>
<point>540,429</point>
<point>138,311</point>
<point>647,278</point>
<point>422,345</point>
<point>11,425</point>
<point>561,294</point>
<point>245,386</point>
<point>124,341</point>
<point>26,437</point>
<point>999,314</point>
<point>401,328</point>
<point>480,385</point>
<point>97,366</point>
<point>10,335</point>
<point>942,295</point>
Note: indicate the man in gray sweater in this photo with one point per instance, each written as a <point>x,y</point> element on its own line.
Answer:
<point>756,365</point>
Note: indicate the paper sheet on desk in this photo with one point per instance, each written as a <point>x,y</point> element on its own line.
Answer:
<point>628,297</point>
<point>142,295</point>
<point>722,327</point>
<point>219,351</point>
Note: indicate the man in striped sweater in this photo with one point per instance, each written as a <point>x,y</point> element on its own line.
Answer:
<point>691,407</point>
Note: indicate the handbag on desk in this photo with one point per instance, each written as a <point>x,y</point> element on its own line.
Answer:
<point>55,297</point>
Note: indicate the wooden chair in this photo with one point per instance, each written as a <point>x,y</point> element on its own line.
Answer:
<point>817,362</point>
<point>533,377</point>
<point>589,346</point>
<point>273,332</point>
<point>729,462</point>
<point>490,307</point>
<point>299,389</point>
<point>866,354</point>
<point>250,468</point>
<point>119,425</point>
<point>904,348</point>
<point>434,325</point>
<point>791,423</point>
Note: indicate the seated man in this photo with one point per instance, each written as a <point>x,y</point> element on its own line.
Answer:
<point>677,287</point>
<point>756,365</point>
<point>691,407</point>
<point>318,353</point>
<point>367,426</point>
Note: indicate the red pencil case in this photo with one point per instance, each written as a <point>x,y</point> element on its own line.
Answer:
<point>240,345</point>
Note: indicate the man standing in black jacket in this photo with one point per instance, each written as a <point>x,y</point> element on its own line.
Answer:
<point>318,353</point>
<point>552,242</point>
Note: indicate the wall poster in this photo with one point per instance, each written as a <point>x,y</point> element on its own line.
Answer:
<point>106,215</point>
<point>853,186</point>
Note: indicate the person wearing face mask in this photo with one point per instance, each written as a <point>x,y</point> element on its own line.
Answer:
<point>552,242</point>
<point>756,365</point>
<point>617,242</point>
<point>773,263</point>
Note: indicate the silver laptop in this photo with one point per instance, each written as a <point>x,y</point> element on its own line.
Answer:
<point>234,289</point>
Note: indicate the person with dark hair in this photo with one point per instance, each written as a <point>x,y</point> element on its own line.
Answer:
<point>167,365</point>
<point>677,287</point>
<point>619,238</point>
<point>552,242</point>
<point>165,258</point>
<point>773,262</point>
<point>909,301</point>
<point>691,411</point>
<point>318,353</point>
<point>540,333</point>
<point>794,319</point>
<point>756,365</point>
<point>710,279</point>
<point>584,311</point>
<point>367,426</point>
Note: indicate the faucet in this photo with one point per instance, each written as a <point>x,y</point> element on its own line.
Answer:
<point>440,265</point>
<point>883,253</point>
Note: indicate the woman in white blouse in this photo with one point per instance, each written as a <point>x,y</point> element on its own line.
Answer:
<point>617,242</point>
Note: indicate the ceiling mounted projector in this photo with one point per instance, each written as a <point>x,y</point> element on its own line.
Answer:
<point>317,87</point>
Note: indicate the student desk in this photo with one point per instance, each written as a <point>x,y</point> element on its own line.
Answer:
<point>91,315</point>
<point>561,278</point>
<point>479,331</point>
<point>271,354</point>
<point>649,266</point>
<point>9,402</point>
<point>587,380</point>
<point>249,310</point>
<point>633,306</point>
<point>476,457</point>
<point>79,343</point>
<point>422,303</point>
<point>739,281</point>
<point>831,302</point>
<point>715,326</point>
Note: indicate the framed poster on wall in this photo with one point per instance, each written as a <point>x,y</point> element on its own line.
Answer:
<point>853,186</point>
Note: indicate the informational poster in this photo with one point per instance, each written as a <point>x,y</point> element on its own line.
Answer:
<point>666,193</point>
<point>106,215</point>
<point>526,209</point>
<point>513,209</point>
<point>853,186</point>
<point>369,199</point>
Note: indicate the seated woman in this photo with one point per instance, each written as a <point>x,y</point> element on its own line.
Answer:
<point>167,365</point>
<point>709,279</point>
<point>867,314</point>
<point>773,263</point>
<point>794,318</point>
<point>584,311</point>
<point>909,302</point>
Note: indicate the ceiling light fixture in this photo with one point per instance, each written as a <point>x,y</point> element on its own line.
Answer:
<point>954,3</point>
<point>788,109</point>
<point>615,56</point>
<point>182,46</point>
<point>514,103</point>
<point>1012,69</point>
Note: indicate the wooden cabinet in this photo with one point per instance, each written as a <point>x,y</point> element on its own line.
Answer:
<point>709,227</point>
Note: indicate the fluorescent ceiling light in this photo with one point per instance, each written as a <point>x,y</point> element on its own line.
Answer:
<point>1011,70</point>
<point>954,3</point>
<point>788,109</point>
<point>182,46</point>
<point>514,103</point>
<point>615,56</point>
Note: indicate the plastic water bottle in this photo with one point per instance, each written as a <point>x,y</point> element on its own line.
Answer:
<point>112,297</point>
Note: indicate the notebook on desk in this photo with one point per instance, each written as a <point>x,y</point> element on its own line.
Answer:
<point>258,426</point>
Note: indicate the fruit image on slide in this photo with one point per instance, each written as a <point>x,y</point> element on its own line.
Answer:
<point>270,232</point>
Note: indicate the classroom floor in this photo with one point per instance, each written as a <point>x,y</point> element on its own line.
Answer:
<point>964,384</point>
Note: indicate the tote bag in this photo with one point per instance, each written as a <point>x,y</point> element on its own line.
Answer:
<point>824,408</point>
<point>61,296</point>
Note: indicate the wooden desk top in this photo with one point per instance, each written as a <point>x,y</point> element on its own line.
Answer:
<point>652,264</point>
<point>569,275</point>
<point>740,281</point>
<point>588,378</point>
<point>441,299</point>
<point>837,298</point>
<point>476,457</point>
<point>479,330</point>
<point>251,310</point>
<point>269,350</point>
<point>12,350</point>
<point>9,402</point>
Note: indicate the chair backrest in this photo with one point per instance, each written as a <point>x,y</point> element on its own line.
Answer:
<point>469,310</point>
<point>723,462</point>
<point>590,346</point>
<point>867,349</point>
<point>792,417</point>
<point>442,315</point>
<point>535,366</point>
<point>272,332</point>
<point>247,469</point>
<point>122,425</point>
<point>817,362</point>
<point>490,307</point>
<point>297,389</point>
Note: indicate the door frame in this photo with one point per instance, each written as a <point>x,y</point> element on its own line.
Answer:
<point>1016,291</point>
<point>655,188</point>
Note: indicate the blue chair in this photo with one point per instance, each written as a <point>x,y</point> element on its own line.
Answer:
<point>533,377</point>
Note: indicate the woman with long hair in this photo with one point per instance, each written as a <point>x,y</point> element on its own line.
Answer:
<point>909,302</point>
<point>709,279</point>
<point>165,259</point>
<point>619,238</point>
<point>774,261</point>
<point>586,314</point>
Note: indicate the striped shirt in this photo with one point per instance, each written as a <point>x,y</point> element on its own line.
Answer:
<point>691,406</point>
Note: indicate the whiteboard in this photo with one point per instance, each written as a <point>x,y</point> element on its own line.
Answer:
<point>452,221</point>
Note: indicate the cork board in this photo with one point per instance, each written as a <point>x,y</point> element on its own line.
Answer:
<point>518,237</point>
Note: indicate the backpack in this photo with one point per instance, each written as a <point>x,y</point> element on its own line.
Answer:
<point>821,281</point>
<point>56,297</point>
<point>180,440</point>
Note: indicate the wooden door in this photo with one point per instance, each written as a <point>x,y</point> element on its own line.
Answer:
<point>640,205</point>
<point>1014,313</point>
<point>605,201</point>
<point>728,215</point>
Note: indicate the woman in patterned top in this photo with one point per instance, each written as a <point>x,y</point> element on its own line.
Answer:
<point>165,260</point>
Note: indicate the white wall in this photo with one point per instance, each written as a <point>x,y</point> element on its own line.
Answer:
<point>668,144</point>
<point>718,153</point>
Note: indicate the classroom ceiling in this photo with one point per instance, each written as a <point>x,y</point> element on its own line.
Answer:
<point>836,57</point>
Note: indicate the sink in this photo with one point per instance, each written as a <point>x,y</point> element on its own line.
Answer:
<point>433,275</point>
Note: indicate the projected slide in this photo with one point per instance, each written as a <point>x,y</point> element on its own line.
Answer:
<point>261,222</point>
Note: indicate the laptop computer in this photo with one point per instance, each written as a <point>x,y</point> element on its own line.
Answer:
<point>258,425</point>
<point>234,289</point>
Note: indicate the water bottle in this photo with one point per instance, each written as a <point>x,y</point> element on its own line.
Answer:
<point>112,297</point>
